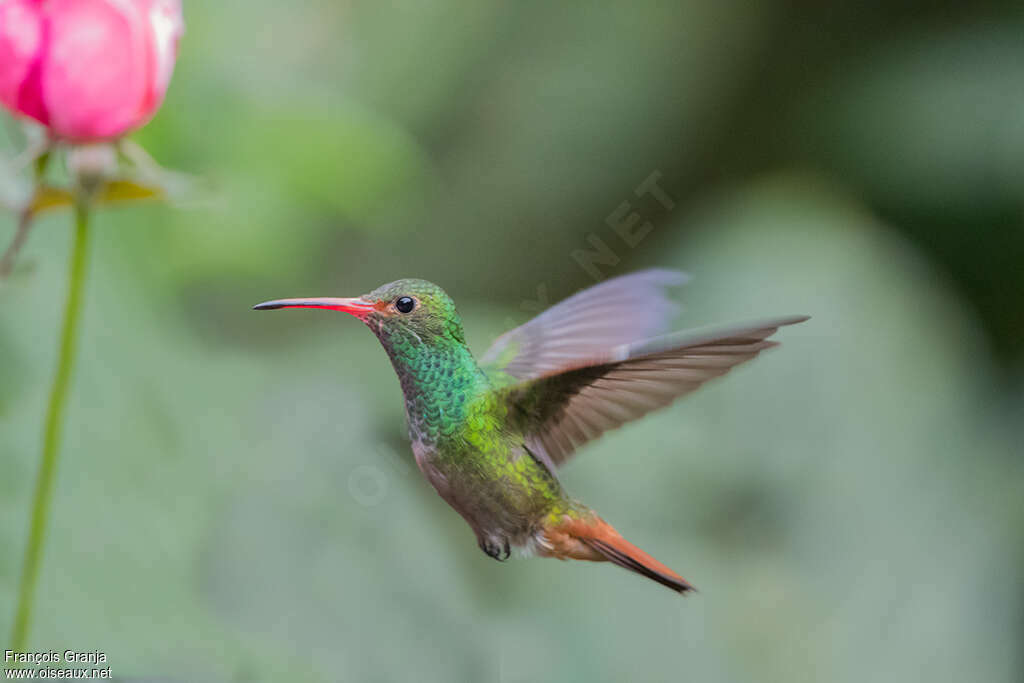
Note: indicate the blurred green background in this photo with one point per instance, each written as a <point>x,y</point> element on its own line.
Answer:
<point>236,500</point>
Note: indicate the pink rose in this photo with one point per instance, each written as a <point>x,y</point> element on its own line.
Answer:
<point>87,69</point>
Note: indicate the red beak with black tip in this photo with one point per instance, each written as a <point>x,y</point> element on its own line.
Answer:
<point>360,308</point>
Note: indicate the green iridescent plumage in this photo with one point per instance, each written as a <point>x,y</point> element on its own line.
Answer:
<point>455,415</point>
<point>490,435</point>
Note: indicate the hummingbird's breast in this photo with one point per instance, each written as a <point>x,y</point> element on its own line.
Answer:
<point>485,472</point>
<point>464,444</point>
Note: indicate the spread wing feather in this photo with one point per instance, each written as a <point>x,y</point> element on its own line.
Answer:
<point>585,326</point>
<point>560,410</point>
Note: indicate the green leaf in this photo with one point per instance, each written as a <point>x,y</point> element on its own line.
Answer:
<point>48,197</point>
<point>128,191</point>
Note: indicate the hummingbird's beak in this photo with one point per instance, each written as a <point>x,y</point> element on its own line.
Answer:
<point>360,308</point>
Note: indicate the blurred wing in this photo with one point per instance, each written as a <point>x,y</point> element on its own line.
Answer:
<point>585,326</point>
<point>562,411</point>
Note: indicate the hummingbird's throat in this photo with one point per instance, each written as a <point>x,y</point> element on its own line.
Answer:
<point>439,377</point>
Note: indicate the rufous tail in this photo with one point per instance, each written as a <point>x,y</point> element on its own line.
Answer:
<point>594,539</point>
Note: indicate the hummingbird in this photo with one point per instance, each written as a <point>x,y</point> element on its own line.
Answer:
<point>490,434</point>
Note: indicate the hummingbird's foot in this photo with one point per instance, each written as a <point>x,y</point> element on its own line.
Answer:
<point>500,551</point>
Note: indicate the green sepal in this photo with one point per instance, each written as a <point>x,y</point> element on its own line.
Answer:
<point>49,197</point>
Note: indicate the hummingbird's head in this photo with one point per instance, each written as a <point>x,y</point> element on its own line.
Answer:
<point>403,309</point>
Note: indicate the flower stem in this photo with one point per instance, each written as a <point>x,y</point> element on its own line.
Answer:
<point>52,430</point>
<point>40,157</point>
<point>11,254</point>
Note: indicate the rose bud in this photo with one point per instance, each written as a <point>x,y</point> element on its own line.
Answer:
<point>89,70</point>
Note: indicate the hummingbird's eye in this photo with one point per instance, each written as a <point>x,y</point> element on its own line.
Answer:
<point>405,304</point>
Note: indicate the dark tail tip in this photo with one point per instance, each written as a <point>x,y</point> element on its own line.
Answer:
<point>617,556</point>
